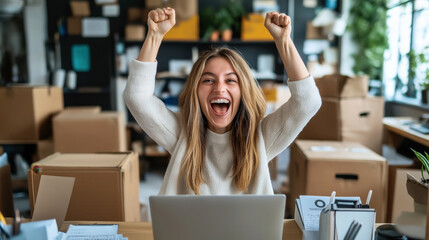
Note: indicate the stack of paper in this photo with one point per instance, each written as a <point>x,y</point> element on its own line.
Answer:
<point>99,232</point>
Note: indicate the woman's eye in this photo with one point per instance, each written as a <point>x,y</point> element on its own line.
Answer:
<point>207,81</point>
<point>232,80</point>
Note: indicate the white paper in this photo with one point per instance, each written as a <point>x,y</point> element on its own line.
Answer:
<point>92,229</point>
<point>110,10</point>
<point>311,206</point>
<point>322,149</point>
<point>46,230</point>
<point>98,232</point>
<point>95,27</point>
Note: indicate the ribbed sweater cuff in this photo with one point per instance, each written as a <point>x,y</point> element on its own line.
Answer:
<point>303,87</point>
<point>142,74</point>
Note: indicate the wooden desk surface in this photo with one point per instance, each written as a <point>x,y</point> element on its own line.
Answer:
<point>397,126</point>
<point>143,230</point>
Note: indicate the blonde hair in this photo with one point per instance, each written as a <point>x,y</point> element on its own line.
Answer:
<point>244,136</point>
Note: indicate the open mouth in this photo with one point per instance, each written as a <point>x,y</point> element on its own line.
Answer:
<point>220,106</point>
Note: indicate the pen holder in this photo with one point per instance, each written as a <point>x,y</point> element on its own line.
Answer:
<point>339,222</point>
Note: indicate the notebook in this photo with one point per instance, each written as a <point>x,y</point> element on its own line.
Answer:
<point>237,217</point>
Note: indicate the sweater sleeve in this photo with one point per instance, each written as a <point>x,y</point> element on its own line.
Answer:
<point>161,124</point>
<point>282,126</point>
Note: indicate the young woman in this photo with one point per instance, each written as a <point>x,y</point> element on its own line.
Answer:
<point>221,141</point>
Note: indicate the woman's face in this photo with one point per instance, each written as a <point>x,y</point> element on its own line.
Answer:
<point>219,94</point>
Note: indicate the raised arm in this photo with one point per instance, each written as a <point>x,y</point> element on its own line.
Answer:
<point>159,22</point>
<point>280,128</point>
<point>279,25</point>
<point>161,124</point>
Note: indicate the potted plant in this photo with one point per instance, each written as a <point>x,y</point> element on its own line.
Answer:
<point>368,27</point>
<point>224,21</point>
<point>418,189</point>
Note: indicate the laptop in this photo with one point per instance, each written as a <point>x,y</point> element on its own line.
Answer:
<point>235,217</point>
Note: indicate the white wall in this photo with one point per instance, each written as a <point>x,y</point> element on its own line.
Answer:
<point>35,35</point>
<point>347,46</point>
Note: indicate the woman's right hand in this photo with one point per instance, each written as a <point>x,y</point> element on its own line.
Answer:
<point>161,20</point>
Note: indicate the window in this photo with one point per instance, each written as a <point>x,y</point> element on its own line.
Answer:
<point>408,31</point>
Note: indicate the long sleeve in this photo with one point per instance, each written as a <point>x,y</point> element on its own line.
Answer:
<point>281,127</point>
<point>161,124</point>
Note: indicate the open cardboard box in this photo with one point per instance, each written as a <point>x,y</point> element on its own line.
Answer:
<point>106,186</point>
<point>349,168</point>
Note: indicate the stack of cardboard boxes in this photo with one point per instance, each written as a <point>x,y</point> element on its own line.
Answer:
<point>93,151</point>
<point>339,149</point>
<point>347,113</point>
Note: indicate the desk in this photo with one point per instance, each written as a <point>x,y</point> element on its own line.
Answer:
<point>396,131</point>
<point>143,230</point>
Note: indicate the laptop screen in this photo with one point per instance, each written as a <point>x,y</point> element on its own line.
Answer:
<point>235,217</point>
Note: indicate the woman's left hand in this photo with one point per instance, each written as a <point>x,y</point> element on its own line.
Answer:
<point>278,24</point>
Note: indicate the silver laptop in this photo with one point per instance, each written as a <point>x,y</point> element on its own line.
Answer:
<point>235,217</point>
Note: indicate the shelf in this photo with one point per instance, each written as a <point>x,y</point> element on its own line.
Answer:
<point>199,42</point>
<point>87,90</point>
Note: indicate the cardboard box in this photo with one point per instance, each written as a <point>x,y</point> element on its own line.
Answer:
<point>82,109</point>
<point>313,32</point>
<point>253,28</point>
<point>74,26</point>
<point>106,185</point>
<point>349,168</point>
<point>341,86</point>
<point>135,32</point>
<point>80,8</point>
<point>26,112</point>
<point>427,221</point>
<point>348,119</point>
<point>45,148</point>
<point>402,201</point>
<point>89,132</point>
<point>187,30</point>
<point>6,199</point>
<point>135,14</point>
<point>153,3</point>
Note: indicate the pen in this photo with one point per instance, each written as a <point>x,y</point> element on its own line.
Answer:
<point>368,198</point>
<point>332,197</point>
<point>16,226</point>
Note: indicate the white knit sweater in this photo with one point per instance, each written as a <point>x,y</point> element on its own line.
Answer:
<point>276,131</point>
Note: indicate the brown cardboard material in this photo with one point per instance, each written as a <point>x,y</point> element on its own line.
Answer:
<point>341,86</point>
<point>349,168</point>
<point>89,132</point>
<point>348,119</point>
<point>313,32</point>
<point>45,148</point>
<point>6,199</point>
<point>82,109</point>
<point>53,198</point>
<point>26,112</point>
<point>427,221</point>
<point>135,14</point>
<point>80,8</point>
<point>74,26</point>
<point>153,3</point>
<point>135,32</point>
<point>106,185</point>
<point>402,201</point>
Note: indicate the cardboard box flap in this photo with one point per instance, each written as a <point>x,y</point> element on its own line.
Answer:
<point>333,150</point>
<point>337,85</point>
<point>105,160</point>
